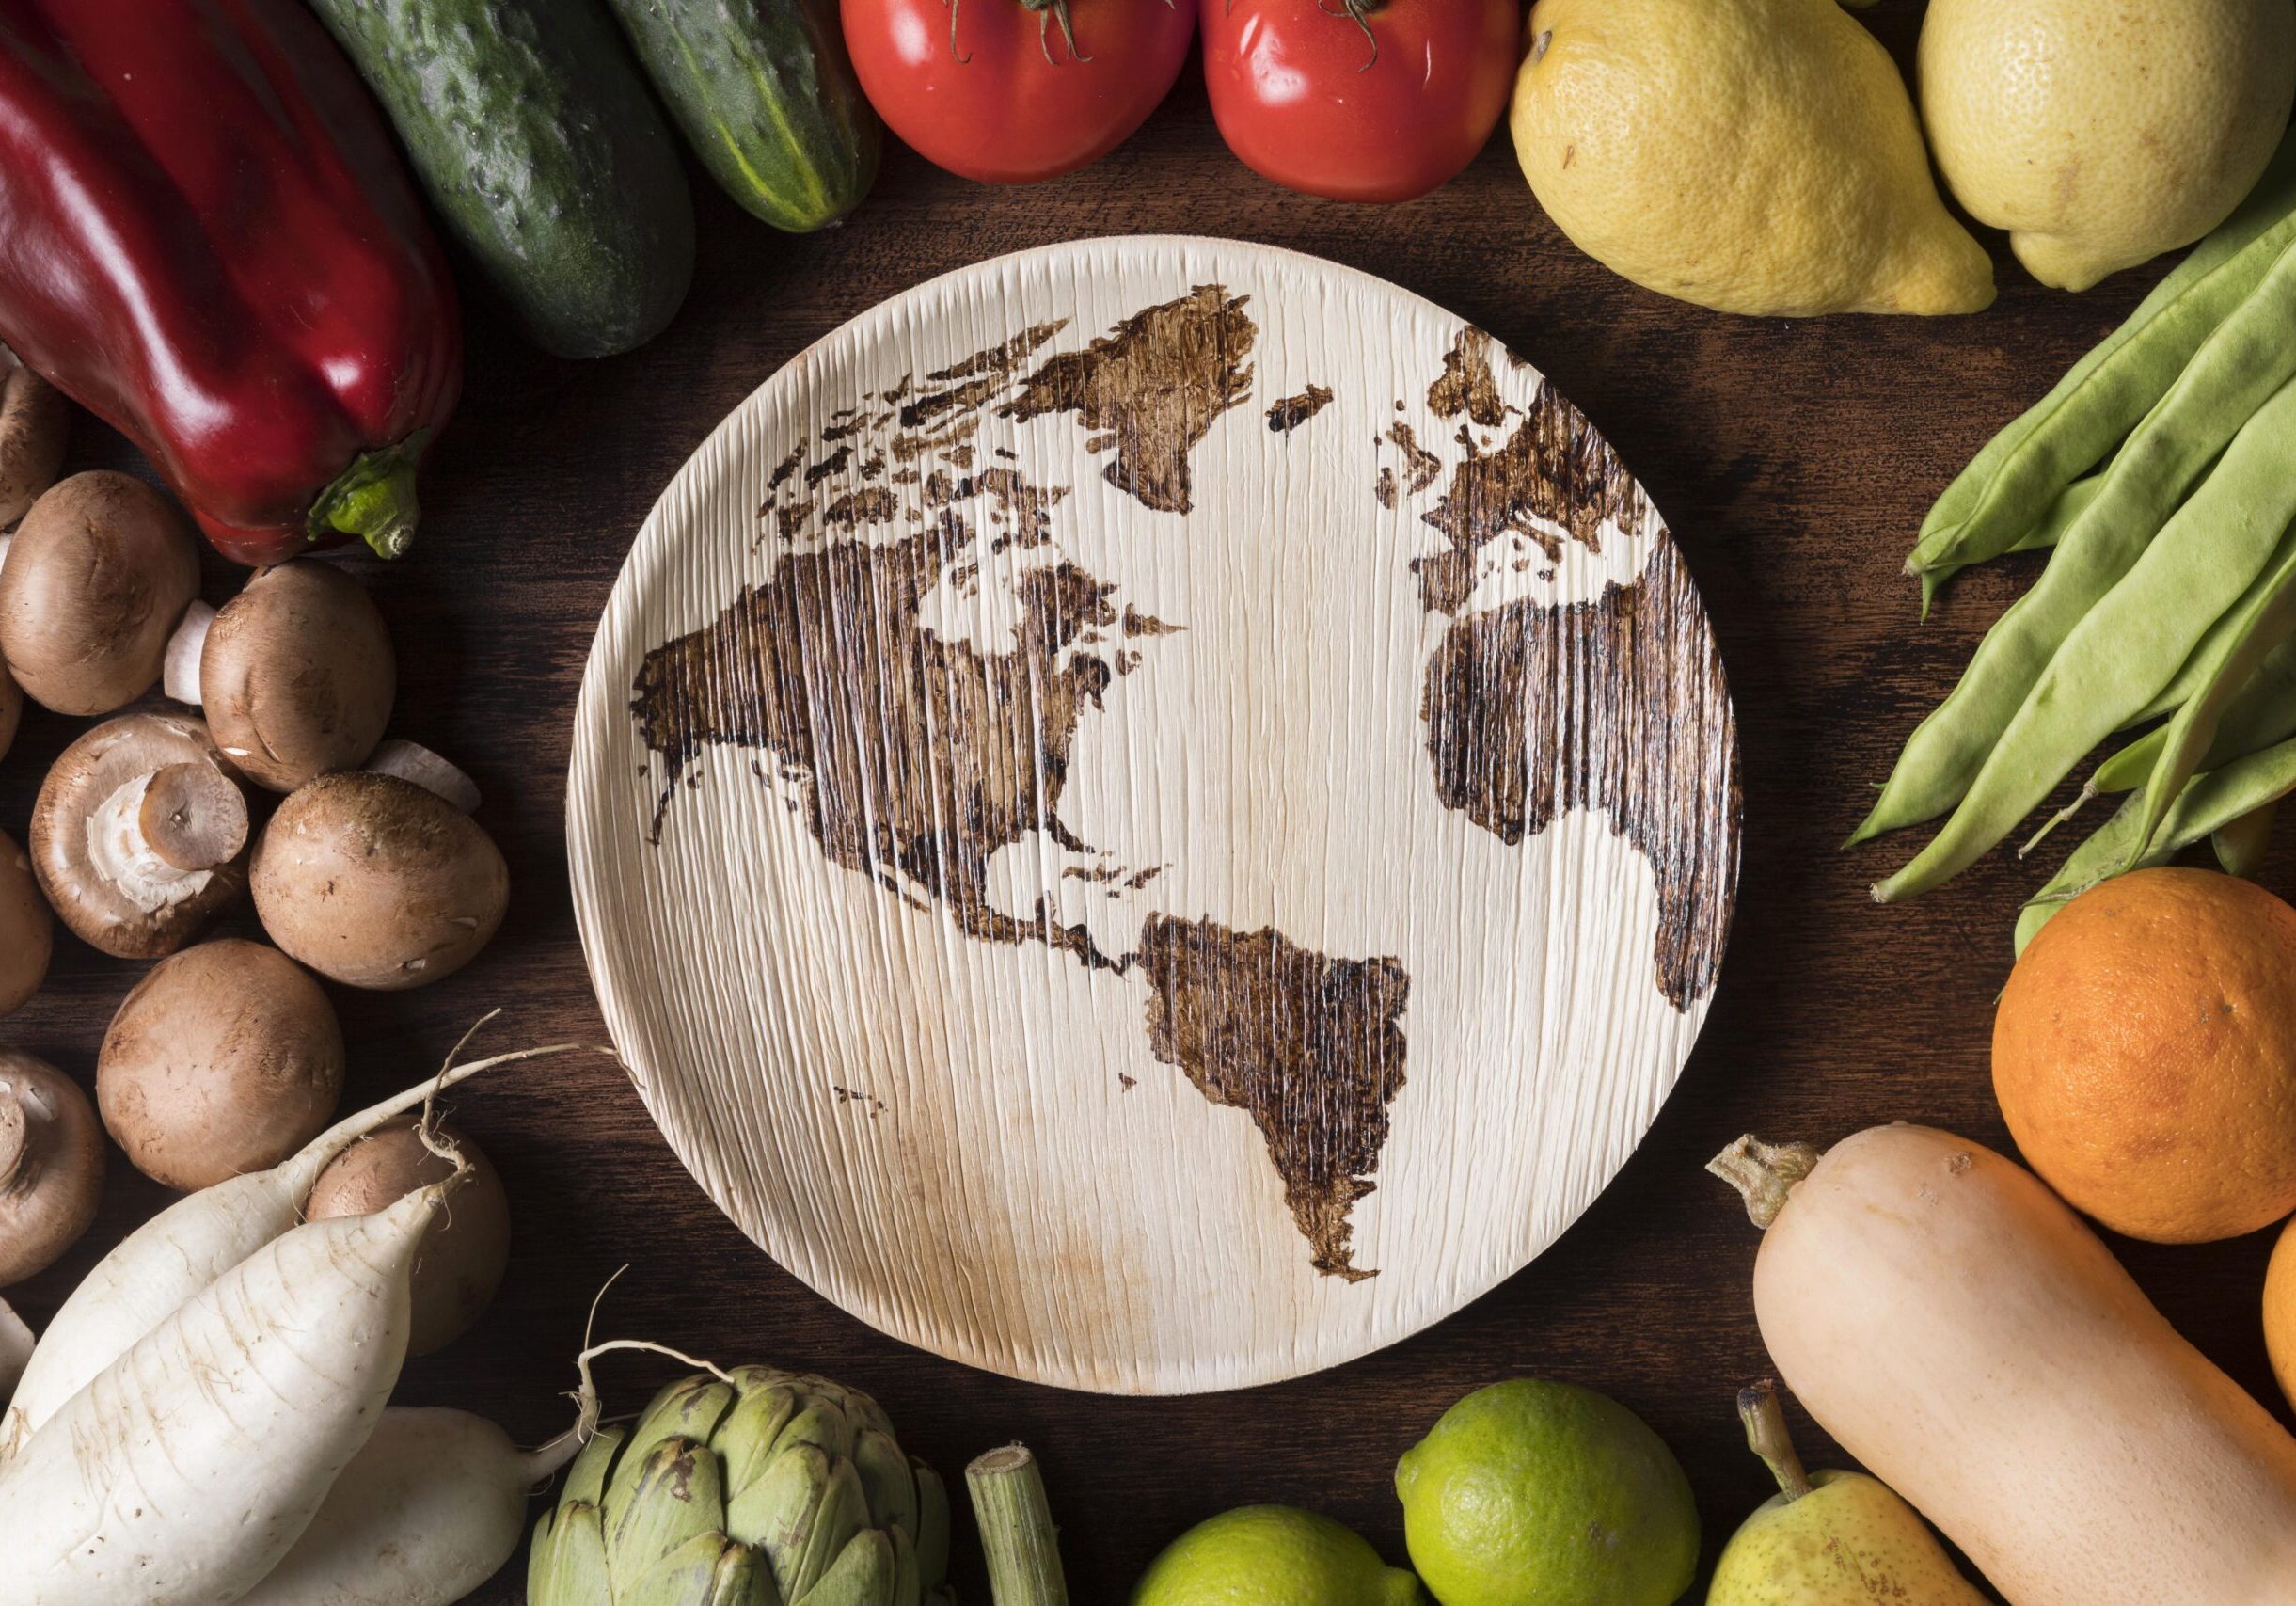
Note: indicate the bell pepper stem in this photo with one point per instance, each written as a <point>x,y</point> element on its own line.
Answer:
<point>373,499</point>
<point>1018,1539</point>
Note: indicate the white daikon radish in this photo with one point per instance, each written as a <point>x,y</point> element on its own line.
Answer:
<point>182,1249</point>
<point>1960,1331</point>
<point>186,1471</point>
<point>428,1511</point>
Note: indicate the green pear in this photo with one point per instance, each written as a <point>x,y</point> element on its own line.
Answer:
<point>1827,1538</point>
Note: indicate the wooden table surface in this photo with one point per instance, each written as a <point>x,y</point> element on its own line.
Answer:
<point>1793,460</point>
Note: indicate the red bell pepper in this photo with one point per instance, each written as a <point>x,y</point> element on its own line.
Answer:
<point>208,239</point>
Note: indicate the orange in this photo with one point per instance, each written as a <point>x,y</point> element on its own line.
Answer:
<point>2145,1054</point>
<point>2280,1313</point>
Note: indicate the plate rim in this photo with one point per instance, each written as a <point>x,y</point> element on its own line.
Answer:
<point>1265,1365</point>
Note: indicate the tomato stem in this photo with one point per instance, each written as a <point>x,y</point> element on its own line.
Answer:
<point>1357,12</point>
<point>1048,12</point>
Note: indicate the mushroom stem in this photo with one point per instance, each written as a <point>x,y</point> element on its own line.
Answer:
<point>416,764</point>
<point>159,836</point>
<point>187,651</point>
<point>15,1349</point>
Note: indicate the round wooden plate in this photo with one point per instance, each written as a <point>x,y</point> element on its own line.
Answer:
<point>1154,814</point>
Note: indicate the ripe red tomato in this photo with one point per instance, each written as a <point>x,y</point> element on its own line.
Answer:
<point>1016,90</point>
<point>1360,100</point>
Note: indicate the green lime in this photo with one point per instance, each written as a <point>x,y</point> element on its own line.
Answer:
<point>1540,1494</point>
<point>1273,1555</point>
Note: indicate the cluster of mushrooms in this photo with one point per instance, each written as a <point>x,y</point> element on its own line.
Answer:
<point>227,1056</point>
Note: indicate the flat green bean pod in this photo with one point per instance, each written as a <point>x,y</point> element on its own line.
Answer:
<point>2194,675</point>
<point>2207,805</point>
<point>2264,713</point>
<point>2265,620</point>
<point>2234,387</point>
<point>2007,485</point>
<point>2071,503</point>
<point>2241,844</point>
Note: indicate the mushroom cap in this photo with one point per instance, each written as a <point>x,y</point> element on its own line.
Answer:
<point>98,577</point>
<point>83,778</point>
<point>35,425</point>
<point>464,1253</point>
<point>27,929</point>
<point>374,883</point>
<point>51,1165</point>
<point>11,708</point>
<point>226,1058</point>
<point>298,677</point>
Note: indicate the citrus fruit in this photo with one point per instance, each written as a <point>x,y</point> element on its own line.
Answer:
<point>2100,137</point>
<point>1273,1555</point>
<point>2280,1311</point>
<point>1541,1494</point>
<point>2145,1054</point>
<point>1749,155</point>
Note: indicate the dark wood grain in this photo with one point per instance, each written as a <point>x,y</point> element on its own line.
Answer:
<point>1793,460</point>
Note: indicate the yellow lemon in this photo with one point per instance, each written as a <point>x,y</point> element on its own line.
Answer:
<point>2102,135</point>
<point>1751,155</point>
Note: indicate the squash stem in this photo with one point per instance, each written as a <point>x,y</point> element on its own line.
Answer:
<point>1764,1173</point>
<point>1017,1538</point>
<point>1766,1436</point>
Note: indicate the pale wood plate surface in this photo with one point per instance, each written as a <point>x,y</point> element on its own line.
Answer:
<point>1154,814</point>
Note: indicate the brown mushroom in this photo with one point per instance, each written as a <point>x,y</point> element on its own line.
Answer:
<point>35,419</point>
<point>96,578</point>
<point>27,930</point>
<point>51,1165</point>
<point>296,674</point>
<point>11,708</point>
<point>464,1253</point>
<point>374,882</point>
<point>225,1059</point>
<point>140,834</point>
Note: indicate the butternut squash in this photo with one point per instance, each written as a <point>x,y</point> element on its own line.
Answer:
<point>1958,1329</point>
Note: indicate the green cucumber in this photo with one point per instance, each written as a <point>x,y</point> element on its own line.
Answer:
<point>767,98</point>
<point>539,146</point>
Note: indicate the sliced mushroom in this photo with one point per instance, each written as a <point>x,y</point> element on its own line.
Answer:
<point>96,580</point>
<point>34,421</point>
<point>295,673</point>
<point>27,930</point>
<point>51,1165</point>
<point>225,1059</point>
<point>463,1255</point>
<point>139,834</point>
<point>374,882</point>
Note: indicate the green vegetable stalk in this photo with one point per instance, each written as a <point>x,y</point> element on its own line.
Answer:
<point>1017,1538</point>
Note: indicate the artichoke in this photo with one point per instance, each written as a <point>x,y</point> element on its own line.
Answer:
<point>774,1489</point>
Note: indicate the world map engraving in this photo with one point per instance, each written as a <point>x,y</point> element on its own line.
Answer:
<point>917,749</point>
